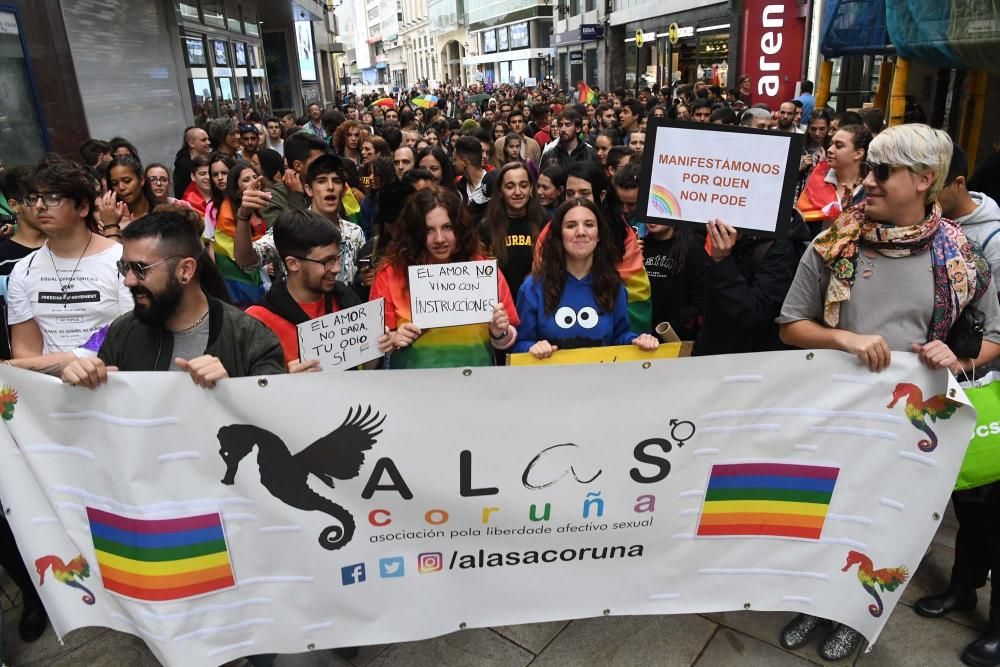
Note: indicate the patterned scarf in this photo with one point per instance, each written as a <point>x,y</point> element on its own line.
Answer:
<point>961,275</point>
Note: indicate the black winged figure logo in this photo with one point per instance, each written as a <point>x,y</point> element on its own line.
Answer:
<point>337,455</point>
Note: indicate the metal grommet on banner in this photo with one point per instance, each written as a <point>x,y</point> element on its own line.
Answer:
<point>310,646</point>
<point>647,364</point>
<point>746,605</point>
<point>467,372</point>
<point>936,516</point>
<point>607,612</point>
<point>461,626</point>
<point>951,393</point>
<point>261,382</point>
<point>809,357</point>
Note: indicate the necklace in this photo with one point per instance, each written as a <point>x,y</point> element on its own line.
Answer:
<point>193,326</point>
<point>69,284</point>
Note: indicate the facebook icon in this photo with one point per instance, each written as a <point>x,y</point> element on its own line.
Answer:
<point>352,574</point>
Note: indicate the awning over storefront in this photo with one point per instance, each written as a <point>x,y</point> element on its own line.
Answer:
<point>853,27</point>
<point>946,34</point>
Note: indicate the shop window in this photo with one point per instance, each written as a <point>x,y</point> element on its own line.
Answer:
<point>220,54</point>
<point>194,52</point>
<point>202,101</point>
<point>227,97</point>
<point>564,70</point>
<point>250,21</point>
<point>590,5</point>
<point>240,54</point>
<point>189,10</point>
<point>21,137</point>
<point>233,17</point>
<point>212,12</point>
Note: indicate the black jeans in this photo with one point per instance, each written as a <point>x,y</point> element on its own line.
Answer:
<point>977,545</point>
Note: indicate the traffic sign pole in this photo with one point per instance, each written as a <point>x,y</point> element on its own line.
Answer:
<point>638,47</point>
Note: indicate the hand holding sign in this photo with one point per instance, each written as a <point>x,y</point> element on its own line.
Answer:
<point>500,322</point>
<point>722,238</point>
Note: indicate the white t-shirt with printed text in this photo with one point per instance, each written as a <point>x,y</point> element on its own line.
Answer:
<point>95,296</point>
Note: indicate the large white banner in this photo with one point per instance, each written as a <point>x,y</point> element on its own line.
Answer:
<point>290,513</point>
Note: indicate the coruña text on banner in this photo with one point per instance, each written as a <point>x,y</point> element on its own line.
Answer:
<point>447,295</point>
<point>297,512</point>
<point>344,339</point>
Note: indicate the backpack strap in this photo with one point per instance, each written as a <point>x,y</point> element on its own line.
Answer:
<point>990,237</point>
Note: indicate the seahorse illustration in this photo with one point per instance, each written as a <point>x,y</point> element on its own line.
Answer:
<point>67,573</point>
<point>917,409</point>
<point>887,579</point>
<point>339,455</point>
<point>8,399</point>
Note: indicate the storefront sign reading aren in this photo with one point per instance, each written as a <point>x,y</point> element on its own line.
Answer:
<point>772,41</point>
<point>743,177</point>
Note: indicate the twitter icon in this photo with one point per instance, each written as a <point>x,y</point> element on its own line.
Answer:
<point>391,567</point>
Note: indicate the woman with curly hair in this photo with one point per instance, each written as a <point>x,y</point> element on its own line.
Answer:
<point>435,228</point>
<point>347,141</point>
<point>575,297</point>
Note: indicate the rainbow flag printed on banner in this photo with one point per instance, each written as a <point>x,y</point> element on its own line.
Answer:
<point>161,560</point>
<point>767,499</point>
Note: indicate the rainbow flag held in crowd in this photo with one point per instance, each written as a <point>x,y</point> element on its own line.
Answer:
<point>819,200</point>
<point>385,102</point>
<point>587,95</point>
<point>245,287</point>
<point>351,206</point>
<point>161,560</point>
<point>425,101</point>
<point>632,270</point>
<point>767,499</point>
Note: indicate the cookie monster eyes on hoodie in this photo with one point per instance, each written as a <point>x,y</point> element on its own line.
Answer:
<point>578,320</point>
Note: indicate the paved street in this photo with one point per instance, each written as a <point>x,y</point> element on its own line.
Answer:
<point>734,638</point>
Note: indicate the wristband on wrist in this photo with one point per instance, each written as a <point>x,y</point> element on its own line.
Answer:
<point>501,336</point>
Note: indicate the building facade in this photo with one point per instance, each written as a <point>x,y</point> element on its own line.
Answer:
<point>146,69</point>
<point>447,22</point>
<point>512,39</point>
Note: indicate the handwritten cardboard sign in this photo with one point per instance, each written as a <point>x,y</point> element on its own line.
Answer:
<point>448,295</point>
<point>694,172</point>
<point>344,339</point>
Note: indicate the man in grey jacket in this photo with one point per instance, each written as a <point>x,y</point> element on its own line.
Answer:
<point>978,215</point>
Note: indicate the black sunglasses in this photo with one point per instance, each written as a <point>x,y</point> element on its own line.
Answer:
<point>139,268</point>
<point>881,172</point>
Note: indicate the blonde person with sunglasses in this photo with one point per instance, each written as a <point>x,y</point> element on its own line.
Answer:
<point>891,275</point>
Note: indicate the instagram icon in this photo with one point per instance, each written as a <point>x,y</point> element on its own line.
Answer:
<point>429,562</point>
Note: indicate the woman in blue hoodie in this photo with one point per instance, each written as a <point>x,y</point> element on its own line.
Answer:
<point>575,297</point>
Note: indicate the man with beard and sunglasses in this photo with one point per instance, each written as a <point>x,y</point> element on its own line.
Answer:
<point>177,323</point>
